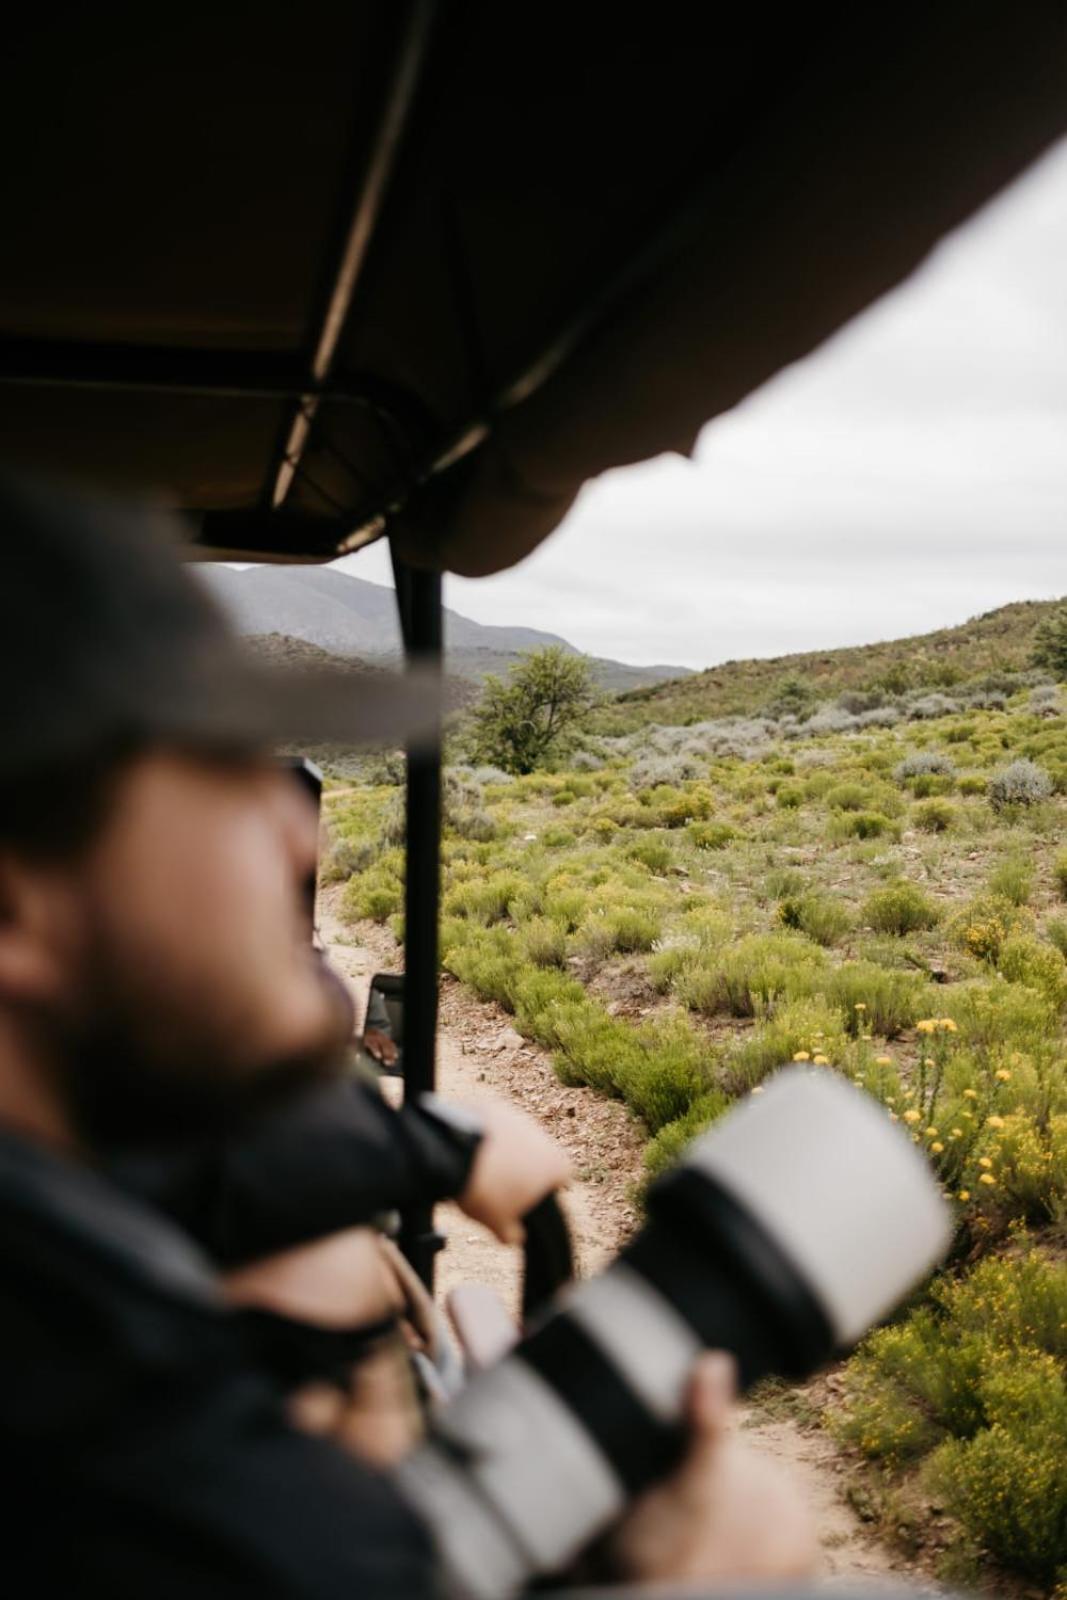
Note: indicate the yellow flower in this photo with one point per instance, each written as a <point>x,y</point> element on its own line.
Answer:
<point>948,1025</point>
<point>984,1161</point>
<point>928,1061</point>
<point>802,1055</point>
<point>956,1133</point>
<point>1003,1075</point>
<point>937,1147</point>
<point>965,1194</point>
<point>860,1006</point>
<point>820,1061</point>
<point>994,1122</point>
<point>970,1094</point>
<point>931,1133</point>
<point>911,1116</point>
<point>758,1089</point>
<point>987,1178</point>
<point>883,1061</point>
<point>927,1025</point>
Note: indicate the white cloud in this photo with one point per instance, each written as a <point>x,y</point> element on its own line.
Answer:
<point>911,473</point>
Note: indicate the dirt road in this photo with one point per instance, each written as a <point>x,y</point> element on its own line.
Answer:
<point>480,1054</point>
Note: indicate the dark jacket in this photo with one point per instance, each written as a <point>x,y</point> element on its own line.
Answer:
<point>143,1440</point>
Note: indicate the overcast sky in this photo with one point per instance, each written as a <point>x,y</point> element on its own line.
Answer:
<point>910,474</point>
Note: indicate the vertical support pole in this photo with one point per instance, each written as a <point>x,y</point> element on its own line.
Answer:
<point>420,605</point>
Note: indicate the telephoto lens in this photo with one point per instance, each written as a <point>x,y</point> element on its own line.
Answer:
<point>787,1231</point>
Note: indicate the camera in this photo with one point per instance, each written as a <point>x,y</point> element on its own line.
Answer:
<point>788,1230</point>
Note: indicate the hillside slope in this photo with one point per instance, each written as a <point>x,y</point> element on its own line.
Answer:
<point>998,641</point>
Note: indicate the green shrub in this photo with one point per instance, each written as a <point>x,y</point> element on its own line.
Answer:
<point>669,1073</point>
<point>655,854</point>
<point>1013,880</point>
<point>849,797</point>
<point>757,969</point>
<point>377,894</point>
<point>783,882</point>
<point>621,928</point>
<point>900,908</point>
<point>934,816</point>
<point>1056,933</point>
<point>996,1018</point>
<point>658,1070</point>
<point>343,857</point>
<point>819,916</point>
<point>665,807</point>
<point>862,825</point>
<point>710,835</point>
<point>539,997</point>
<point>789,796</point>
<point>544,942</point>
<point>484,899</point>
<point>972,783</point>
<point>664,1150</point>
<point>484,958</point>
<point>1059,873</point>
<point>1024,959</point>
<point>874,1000</point>
<point>808,1027</point>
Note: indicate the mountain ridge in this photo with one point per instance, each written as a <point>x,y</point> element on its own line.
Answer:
<point>350,617</point>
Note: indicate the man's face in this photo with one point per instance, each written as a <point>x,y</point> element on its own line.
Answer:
<point>192,992</point>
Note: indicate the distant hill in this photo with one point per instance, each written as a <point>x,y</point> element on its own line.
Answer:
<point>998,641</point>
<point>282,650</point>
<point>348,616</point>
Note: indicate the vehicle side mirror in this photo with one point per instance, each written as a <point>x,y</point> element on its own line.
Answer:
<point>383,1024</point>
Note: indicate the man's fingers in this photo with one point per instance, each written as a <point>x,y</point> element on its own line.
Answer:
<point>712,1392</point>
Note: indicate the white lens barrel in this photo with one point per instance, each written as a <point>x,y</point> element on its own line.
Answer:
<point>842,1191</point>
<point>516,1482</point>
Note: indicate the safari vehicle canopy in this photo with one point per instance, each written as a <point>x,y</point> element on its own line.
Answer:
<point>328,272</point>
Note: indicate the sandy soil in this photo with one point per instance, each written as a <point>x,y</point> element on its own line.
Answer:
<point>480,1054</point>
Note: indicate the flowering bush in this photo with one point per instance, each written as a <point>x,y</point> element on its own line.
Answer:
<point>976,1378</point>
<point>983,924</point>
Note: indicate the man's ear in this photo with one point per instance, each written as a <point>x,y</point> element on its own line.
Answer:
<point>32,899</point>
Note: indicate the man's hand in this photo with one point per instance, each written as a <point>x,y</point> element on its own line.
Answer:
<point>380,1047</point>
<point>516,1165</point>
<point>725,1514</point>
<point>349,1280</point>
<point>344,1281</point>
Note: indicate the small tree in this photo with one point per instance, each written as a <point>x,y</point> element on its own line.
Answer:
<point>1050,643</point>
<point>521,720</point>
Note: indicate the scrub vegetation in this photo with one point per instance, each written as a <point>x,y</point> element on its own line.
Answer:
<point>874,883</point>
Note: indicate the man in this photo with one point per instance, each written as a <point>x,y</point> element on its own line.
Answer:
<point>156,983</point>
